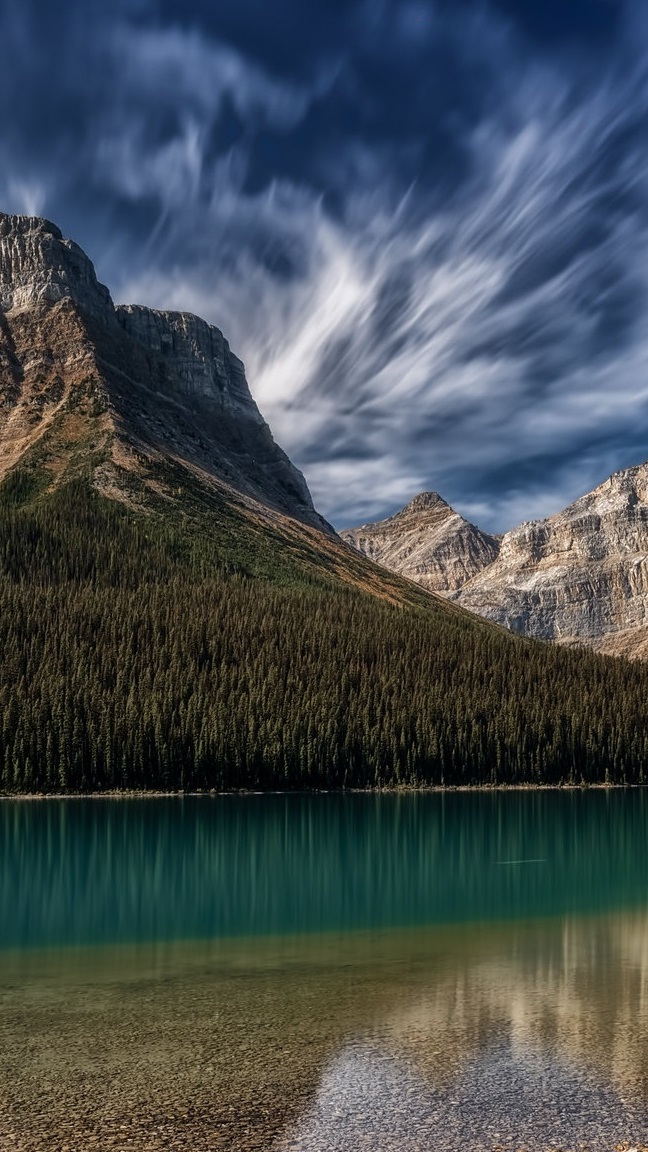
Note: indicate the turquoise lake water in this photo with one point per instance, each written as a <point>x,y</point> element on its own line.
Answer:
<point>93,871</point>
<point>325,973</point>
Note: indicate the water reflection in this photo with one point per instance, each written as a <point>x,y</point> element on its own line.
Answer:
<point>316,973</point>
<point>534,1037</point>
<point>74,871</point>
<point>577,989</point>
<point>514,1035</point>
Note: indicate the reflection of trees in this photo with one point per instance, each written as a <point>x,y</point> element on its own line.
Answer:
<point>579,988</point>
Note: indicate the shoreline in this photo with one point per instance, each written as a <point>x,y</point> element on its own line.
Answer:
<point>443,789</point>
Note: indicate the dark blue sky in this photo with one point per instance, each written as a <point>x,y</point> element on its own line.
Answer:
<point>423,224</point>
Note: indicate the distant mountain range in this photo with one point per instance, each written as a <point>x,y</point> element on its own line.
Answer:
<point>175,614</point>
<point>580,576</point>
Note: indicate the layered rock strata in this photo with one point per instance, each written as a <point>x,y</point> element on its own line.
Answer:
<point>427,541</point>
<point>120,389</point>
<point>580,576</point>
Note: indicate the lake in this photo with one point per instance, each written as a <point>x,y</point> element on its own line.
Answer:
<point>323,973</point>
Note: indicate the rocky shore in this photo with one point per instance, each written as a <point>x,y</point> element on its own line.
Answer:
<point>333,1046</point>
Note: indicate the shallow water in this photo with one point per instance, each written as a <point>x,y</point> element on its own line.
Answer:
<point>305,974</point>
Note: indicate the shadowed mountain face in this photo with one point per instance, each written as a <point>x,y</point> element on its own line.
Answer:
<point>114,391</point>
<point>578,577</point>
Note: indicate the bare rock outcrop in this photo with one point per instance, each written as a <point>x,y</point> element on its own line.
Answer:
<point>130,384</point>
<point>39,266</point>
<point>195,353</point>
<point>578,576</point>
<point>428,542</point>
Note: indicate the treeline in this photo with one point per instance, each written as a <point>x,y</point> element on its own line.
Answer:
<point>132,656</point>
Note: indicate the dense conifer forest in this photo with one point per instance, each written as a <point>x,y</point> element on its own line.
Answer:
<point>143,652</point>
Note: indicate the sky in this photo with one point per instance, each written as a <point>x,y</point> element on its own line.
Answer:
<point>422,224</point>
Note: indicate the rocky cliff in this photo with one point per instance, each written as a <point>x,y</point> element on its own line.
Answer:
<point>195,355</point>
<point>580,576</point>
<point>427,541</point>
<point>120,391</point>
<point>38,266</point>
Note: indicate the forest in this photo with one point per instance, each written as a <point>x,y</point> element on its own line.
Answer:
<point>148,653</point>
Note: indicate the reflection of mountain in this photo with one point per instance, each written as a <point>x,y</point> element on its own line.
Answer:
<point>578,990</point>
<point>528,1038</point>
<point>255,1045</point>
<point>240,1038</point>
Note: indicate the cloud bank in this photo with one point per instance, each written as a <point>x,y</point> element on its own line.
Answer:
<point>430,248</point>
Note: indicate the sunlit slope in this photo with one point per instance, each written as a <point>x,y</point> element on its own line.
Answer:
<point>193,643</point>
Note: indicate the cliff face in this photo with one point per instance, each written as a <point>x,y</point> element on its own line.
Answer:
<point>38,266</point>
<point>196,356</point>
<point>578,577</point>
<point>427,541</point>
<point>120,390</point>
<point>581,575</point>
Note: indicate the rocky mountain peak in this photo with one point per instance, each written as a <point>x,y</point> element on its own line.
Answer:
<point>139,388</point>
<point>580,576</point>
<point>427,541</point>
<point>39,266</point>
<point>427,502</point>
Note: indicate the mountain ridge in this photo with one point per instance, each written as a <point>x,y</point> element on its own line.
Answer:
<point>577,577</point>
<point>168,383</point>
<point>175,615</point>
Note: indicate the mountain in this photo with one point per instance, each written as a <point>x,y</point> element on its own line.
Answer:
<point>428,542</point>
<point>580,576</point>
<point>123,391</point>
<point>174,613</point>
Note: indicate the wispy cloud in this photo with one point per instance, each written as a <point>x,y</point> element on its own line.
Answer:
<point>186,69</point>
<point>472,320</point>
<point>171,90</point>
<point>24,197</point>
<point>453,349</point>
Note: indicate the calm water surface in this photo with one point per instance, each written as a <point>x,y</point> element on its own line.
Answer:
<point>314,973</point>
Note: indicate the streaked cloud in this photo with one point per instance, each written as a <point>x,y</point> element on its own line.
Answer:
<point>448,294</point>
